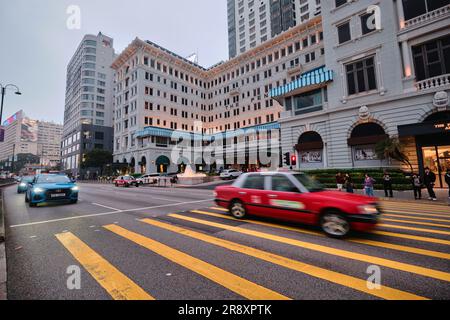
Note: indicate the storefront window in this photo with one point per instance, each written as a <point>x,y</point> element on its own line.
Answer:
<point>438,160</point>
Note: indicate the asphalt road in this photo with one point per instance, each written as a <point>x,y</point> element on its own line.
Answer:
<point>144,243</point>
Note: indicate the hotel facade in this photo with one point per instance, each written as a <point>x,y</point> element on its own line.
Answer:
<point>158,92</point>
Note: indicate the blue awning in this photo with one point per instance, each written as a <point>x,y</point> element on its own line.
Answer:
<point>168,133</point>
<point>313,77</point>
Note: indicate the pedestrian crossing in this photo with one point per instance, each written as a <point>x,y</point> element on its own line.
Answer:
<point>409,244</point>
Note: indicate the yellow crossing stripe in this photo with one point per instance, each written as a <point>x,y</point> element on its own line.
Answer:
<point>380,244</point>
<point>402,216</point>
<point>393,226</point>
<point>226,279</point>
<point>440,275</point>
<point>418,213</point>
<point>417,207</point>
<point>328,275</point>
<point>118,285</point>
<point>411,237</point>
<point>418,223</point>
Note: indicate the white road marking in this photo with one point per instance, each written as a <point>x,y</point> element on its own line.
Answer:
<point>107,213</point>
<point>106,207</point>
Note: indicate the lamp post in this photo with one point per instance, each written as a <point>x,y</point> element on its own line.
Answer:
<point>3,93</point>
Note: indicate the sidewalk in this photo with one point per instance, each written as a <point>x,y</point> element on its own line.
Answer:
<point>2,252</point>
<point>442,196</point>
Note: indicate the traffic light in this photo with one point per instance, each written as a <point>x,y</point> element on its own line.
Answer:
<point>294,160</point>
<point>287,159</point>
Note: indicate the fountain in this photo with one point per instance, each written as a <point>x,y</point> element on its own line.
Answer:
<point>190,177</point>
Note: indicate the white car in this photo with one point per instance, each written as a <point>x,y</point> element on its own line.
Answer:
<point>230,174</point>
<point>147,179</point>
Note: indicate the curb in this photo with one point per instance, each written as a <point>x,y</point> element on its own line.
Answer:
<point>3,276</point>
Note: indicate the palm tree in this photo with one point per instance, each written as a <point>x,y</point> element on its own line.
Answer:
<point>391,148</point>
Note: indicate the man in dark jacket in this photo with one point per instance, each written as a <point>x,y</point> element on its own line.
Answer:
<point>429,180</point>
<point>387,183</point>
<point>447,181</point>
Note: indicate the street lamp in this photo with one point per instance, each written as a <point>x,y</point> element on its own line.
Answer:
<point>3,89</point>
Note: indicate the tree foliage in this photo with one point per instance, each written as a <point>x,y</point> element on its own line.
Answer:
<point>97,159</point>
<point>391,148</point>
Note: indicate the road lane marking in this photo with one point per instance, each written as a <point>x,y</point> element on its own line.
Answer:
<point>224,278</point>
<point>411,237</point>
<point>393,226</point>
<point>317,272</point>
<point>436,274</point>
<point>415,218</point>
<point>118,285</point>
<point>419,209</point>
<point>106,207</point>
<point>418,223</point>
<point>380,244</point>
<point>417,213</point>
<point>109,213</point>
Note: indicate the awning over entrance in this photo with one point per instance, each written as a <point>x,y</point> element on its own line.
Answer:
<point>311,78</point>
<point>163,160</point>
<point>367,133</point>
<point>309,141</point>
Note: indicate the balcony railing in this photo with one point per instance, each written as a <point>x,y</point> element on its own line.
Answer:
<point>432,83</point>
<point>429,16</point>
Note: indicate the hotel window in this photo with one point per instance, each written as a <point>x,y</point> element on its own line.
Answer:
<point>415,8</point>
<point>367,21</point>
<point>431,58</point>
<point>340,3</point>
<point>344,34</point>
<point>361,76</point>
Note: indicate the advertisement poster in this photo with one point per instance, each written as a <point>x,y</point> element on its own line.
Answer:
<point>29,130</point>
<point>365,153</point>
<point>311,156</point>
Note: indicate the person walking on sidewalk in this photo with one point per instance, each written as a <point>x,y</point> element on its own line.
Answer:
<point>387,183</point>
<point>349,183</point>
<point>429,180</point>
<point>369,185</point>
<point>417,186</point>
<point>340,181</point>
<point>447,181</point>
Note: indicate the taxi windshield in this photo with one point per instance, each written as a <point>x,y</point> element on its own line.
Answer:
<point>308,182</point>
<point>53,179</point>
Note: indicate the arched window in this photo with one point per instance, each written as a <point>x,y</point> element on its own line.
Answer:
<point>438,116</point>
<point>363,139</point>
<point>310,149</point>
<point>162,164</point>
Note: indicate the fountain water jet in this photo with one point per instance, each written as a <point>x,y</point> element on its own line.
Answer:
<point>190,177</point>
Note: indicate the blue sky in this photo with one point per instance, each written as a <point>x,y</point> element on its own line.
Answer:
<point>36,44</point>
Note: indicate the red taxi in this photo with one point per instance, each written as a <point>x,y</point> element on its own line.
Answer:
<point>126,181</point>
<point>296,197</point>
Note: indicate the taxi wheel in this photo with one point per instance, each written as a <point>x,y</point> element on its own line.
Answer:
<point>237,209</point>
<point>335,225</point>
<point>32,205</point>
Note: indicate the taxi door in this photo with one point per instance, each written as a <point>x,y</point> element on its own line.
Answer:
<point>253,194</point>
<point>286,201</point>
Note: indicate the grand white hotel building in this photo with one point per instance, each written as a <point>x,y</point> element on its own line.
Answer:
<point>158,93</point>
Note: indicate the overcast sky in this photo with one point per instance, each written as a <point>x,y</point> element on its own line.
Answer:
<point>36,45</point>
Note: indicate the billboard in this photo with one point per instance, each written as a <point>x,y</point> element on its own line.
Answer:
<point>29,130</point>
<point>13,118</point>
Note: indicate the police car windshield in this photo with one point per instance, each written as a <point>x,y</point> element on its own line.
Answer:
<point>309,183</point>
<point>53,179</point>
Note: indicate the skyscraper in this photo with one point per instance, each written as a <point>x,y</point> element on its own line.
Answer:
<point>251,22</point>
<point>88,111</point>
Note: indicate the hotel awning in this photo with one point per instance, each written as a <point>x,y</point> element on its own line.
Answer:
<point>167,133</point>
<point>311,78</point>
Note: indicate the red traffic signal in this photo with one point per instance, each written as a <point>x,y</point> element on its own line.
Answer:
<point>294,160</point>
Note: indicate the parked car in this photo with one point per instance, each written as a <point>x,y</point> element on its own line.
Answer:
<point>47,188</point>
<point>24,183</point>
<point>296,197</point>
<point>126,181</point>
<point>230,174</point>
<point>147,178</point>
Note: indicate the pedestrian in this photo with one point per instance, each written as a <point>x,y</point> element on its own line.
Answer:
<point>340,181</point>
<point>369,183</point>
<point>416,181</point>
<point>349,186</point>
<point>387,183</point>
<point>429,180</point>
<point>447,181</point>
